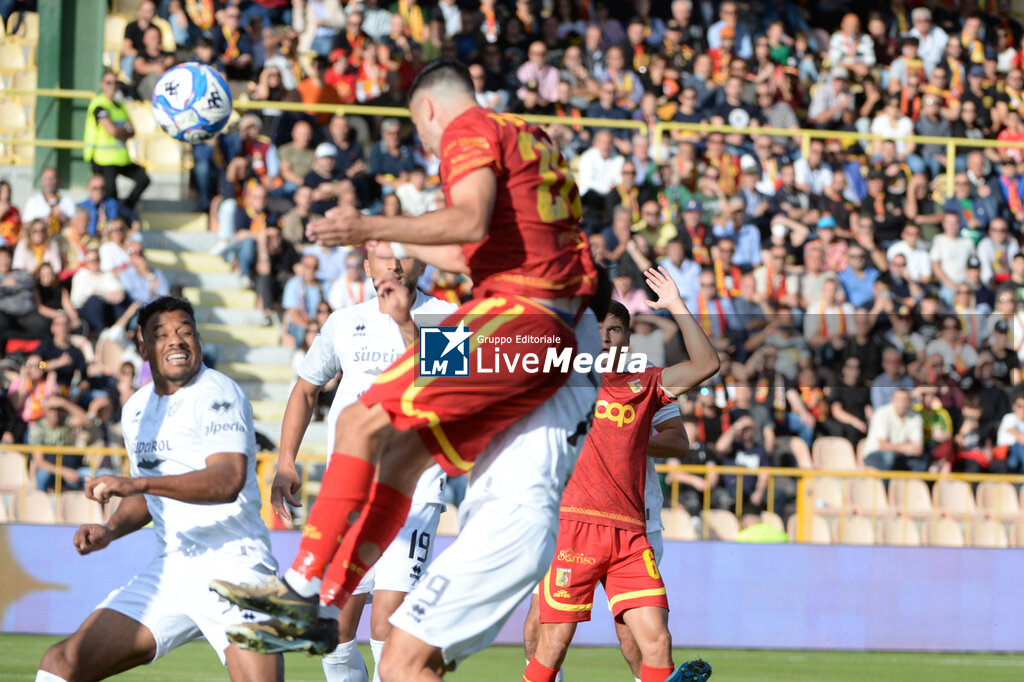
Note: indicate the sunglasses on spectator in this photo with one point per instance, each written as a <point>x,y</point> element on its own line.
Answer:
<point>40,365</point>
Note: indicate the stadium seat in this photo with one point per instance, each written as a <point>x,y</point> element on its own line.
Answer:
<point>4,518</point>
<point>25,80</point>
<point>1017,534</point>
<point>12,58</point>
<point>141,116</point>
<point>868,497</point>
<point>13,472</point>
<point>772,519</point>
<point>166,34</point>
<point>910,496</point>
<point>34,506</point>
<point>449,523</point>
<point>833,453</point>
<point>721,524</point>
<point>678,524</point>
<point>944,532</point>
<point>110,507</point>
<point>13,117</point>
<point>855,530</point>
<point>954,498</point>
<point>76,508</point>
<point>28,30</point>
<point>827,494</point>
<point>900,531</point>
<point>988,533</point>
<point>999,500</point>
<point>820,533</point>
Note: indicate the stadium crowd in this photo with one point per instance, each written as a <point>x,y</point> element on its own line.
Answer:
<point>848,294</point>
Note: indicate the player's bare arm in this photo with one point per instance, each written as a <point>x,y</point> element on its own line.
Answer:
<point>679,378</point>
<point>297,414</point>
<point>464,221</point>
<point>670,441</point>
<point>219,482</point>
<point>131,515</point>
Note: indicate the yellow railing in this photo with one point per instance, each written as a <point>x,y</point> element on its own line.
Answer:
<point>879,508</point>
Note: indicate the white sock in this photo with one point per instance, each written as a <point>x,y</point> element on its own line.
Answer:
<point>307,587</point>
<point>48,677</point>
<point>345,664</point>
<point>636,679</point>
<point>560,676</point>
<point>376,646</point>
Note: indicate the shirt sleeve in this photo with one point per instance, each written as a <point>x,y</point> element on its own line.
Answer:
<point>469,148</point>
<point>226,423</point>
<point>321,363</point>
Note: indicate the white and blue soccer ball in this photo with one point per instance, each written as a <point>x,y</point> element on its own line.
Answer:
<point>191,102</point>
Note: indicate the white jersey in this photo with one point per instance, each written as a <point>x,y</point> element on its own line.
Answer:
<point>167,435</point>
<point>361,342</point>
<point>654,498</point>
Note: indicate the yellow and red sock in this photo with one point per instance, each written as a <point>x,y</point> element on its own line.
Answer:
<point>343,493</point>
<point>649,674</point>
<point>378,524</point>
<point>538,672</point>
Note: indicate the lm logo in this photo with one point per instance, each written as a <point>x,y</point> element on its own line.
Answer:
<point>444,351</point>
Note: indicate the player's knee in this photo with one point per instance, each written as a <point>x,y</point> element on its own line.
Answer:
<point>61,659</point>
<point>393,668</point>
<point>658,644</point>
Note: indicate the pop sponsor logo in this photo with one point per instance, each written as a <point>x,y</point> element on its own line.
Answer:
<point>570,557</point>
<point>616,413</point>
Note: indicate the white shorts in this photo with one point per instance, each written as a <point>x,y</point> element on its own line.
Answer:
<point>508,525</point>
<point>172,598</point>
<point>406,558</point>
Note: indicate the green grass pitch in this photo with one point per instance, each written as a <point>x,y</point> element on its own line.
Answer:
<point>196,662</point>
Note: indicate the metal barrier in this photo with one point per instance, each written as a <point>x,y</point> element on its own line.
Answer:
<point>805,497</point>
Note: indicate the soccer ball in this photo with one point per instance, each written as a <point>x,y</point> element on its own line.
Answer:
<point>191,102</point>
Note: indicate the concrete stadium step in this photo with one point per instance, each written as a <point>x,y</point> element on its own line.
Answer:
<point>266,390</point>
<point>187,260</point>
<point>314,442</point>
<point>233,298</point>
<point>233,316</point>
<point>248,372</point>
<point>246,335</point>
<point>173,220</point>
<point>178,240</point>
<point>252,355</point>
<point>208,281</point>
<point>268,410</point>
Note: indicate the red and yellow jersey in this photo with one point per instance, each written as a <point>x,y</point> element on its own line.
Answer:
<point>607,486</point>
<point>534,245</point>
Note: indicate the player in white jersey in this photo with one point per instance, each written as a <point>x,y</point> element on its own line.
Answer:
<point>666,432</point>
<point>361,341</point>
<point>192,453</point>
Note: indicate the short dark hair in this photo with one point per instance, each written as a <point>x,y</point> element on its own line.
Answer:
<point>447,71</point>
<point>164,304</point>
<point>619,312</point>
<point>4,248</point>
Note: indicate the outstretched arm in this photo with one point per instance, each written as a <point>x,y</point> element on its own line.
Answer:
<point>131,515</point>
<point>219,482</point>
<point>703,363</point>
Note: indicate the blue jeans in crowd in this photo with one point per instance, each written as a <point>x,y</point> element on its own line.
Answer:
<point>797,428</point>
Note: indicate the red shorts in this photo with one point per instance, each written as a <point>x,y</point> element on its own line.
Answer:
<point>457,417</point>
<point>588,553</point>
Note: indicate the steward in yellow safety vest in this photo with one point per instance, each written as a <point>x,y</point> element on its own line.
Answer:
<point>107,128</point>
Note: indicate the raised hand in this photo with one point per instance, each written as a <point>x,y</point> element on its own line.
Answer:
<point>342,226</point>
<point>666,289</point>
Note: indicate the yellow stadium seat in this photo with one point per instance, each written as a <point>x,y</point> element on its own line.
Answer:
<point>827,494</point>
<point>25,80</point>
<point>35,506</point>
<point>12,58</point>
<point>999,500</point>
<point>829,452</point>
<point>944,532</point>
<point>76,508</point>
<point>855,530</point>
<point>113,32</point>
<point>126,7</point>
<point>449,523</point>
<point>678,524</point>
<point>820,532</point>
<point>29,28</point>
<point>166,34</point>
<point>772,519</point>
<point>722,524</point>
<point>1017,534</point>
<point>868,497</point>
<point>13,117</point>
<point>910,497</point>
<point>161,153</point>
<point>13,471</point>
<point>900,531</point>
<point>141,115</point>
<point>989,533</point>
<point>954,498</point>
<point>22,154</point>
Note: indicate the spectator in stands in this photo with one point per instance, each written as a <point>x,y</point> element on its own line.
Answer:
<point>858,279</point>
<point>729,16</point>
<point>353,286</point>
<point>293,223</point>
<point>415,197</point>
<point>98,296</point>
<point>892,378</point>
<point>958,357</point>
<point>390,160</point>
<point>134,42</point>
<point>141,282</point>
<point>275,262</point>
<point>114,249</point>
<point>851,49</point>
<point>949,254</point>
<point>995,252</point>
<point>19,318</point>
<point>10,217</point>
<point>737,447</point>
<point>61,418</point>
<point>52,299</point>
<point>895,439</point>
<point>102,208</point>
<point>62,357</point>
<point>150,63</point>
<point>107,128</point>
<point>253,219</point>
<point>1010,438</point>
<point>49,204</point>
<point>296,157</point>
<point>653,230</point>
<point>318,22</point>
<point>36,247</point>
<point>931,124</point>
<point>302,294</point>
<point>537,69</point>
<point>324,179</point>
<point>600,170</point>
<point>931,39</point>
<point>29,391</point>
<point>849,404</point>
<point>832,104</point>
<point>233,45</point>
